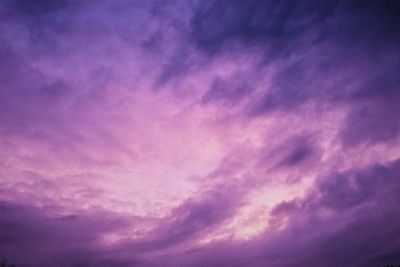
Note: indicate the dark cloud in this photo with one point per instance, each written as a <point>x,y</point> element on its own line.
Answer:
<point>217,22</point>
<point>349,220</point>
<point>30,236</point>
<point>227,91</point>
<point>371,124</point>
<point>46,22</point>
<point>320,37</point>
<point>27,96</point>
<point>176,67</point>
<point>39,7</point>
<point>376,115</point>
<point>291,87</point>
<point>345,190</point>
<point>298,154</point>
<point>191,220</point>
<point>363,203</point>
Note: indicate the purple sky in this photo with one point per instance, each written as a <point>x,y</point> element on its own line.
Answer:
<point>200,133</point>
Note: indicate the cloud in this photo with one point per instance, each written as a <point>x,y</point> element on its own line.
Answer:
<point>254,21</point>
<point>33,237</point>
<point>229,91</point>
<point>356,206</point>
<point>199,133</point>
<point>39,8</point>
<point>375,117</point>
<point>346,221</point>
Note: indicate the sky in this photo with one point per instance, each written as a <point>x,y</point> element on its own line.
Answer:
<point>200,133</point>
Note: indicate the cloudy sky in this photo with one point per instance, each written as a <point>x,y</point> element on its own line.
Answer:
<point>200,133</point>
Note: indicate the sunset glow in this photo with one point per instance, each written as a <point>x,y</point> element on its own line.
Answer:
<point>168,133</point>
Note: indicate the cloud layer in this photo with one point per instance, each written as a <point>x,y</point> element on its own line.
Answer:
<point>199,133</point>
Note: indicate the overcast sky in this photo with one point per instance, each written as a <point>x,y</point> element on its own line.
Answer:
<point>200,133</point>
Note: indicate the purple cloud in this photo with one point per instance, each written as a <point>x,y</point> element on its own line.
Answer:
<point>199,133</point>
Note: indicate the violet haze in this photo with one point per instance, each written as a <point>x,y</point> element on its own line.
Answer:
<point>193,133</point>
